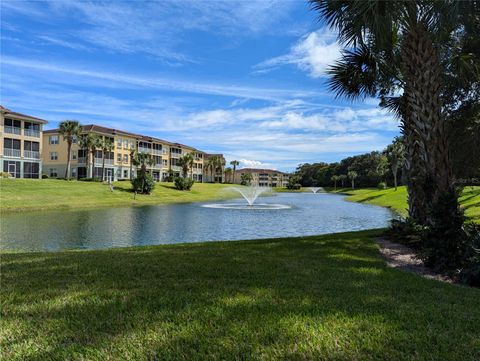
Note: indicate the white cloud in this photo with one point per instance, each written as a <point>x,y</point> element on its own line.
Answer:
<point>313,53</point>
<point>248,163</point>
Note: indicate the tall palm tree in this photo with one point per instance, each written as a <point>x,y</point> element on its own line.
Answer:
<point>186,163</point>
<point>352,175</point>
<point>395,154</point>
<point>143,160</point>
<point>234,164</point>
<point>85,142</point>
<point>335,179</point>
<point>228,174</point>
<point>69,129</point>
<point>107,146</point>
<point>96,143</point>
<point>133,155</point>
<point>407,47</point>
<point>211,166</point>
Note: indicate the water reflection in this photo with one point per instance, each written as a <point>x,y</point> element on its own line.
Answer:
<point>133,226</point>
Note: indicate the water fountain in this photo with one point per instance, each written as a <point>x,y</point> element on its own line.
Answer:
<point>250,194</point>
<point>314,190</point>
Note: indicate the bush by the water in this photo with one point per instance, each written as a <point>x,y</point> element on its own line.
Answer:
<point>456,255</point>
<point>90,179</point>
<point>382,185</point>
<point>183,184</point>
<point>143,183</point>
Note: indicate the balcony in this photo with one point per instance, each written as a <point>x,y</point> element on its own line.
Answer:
<point>144,150</point>
<point>7,152</point>
<point>82,160</point>
<point>157,152</point>
<point>13,130</point>
<point>175,155</point>
<point>176,168</point>
<point>31,133</point>
<point>98,160</point>
<point>31,154</point>
<point>108,161</point>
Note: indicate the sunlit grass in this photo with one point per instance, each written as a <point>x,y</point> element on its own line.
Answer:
<point>313,298</point>
<point>28,194</point>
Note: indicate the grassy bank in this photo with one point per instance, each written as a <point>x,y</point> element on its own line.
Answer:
<point>397,200</point>
<point>315,298</point>
<point>27,194</point>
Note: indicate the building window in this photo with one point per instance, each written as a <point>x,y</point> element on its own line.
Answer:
<point>74,139</point>
<point>53,172</point>
<point>125,158</point>
<point>11,147</point>
<point>12,167</point>
<point>74,155</point>
<point>53,139</point>
<point>125,173</point>
<point>125,144</point>
<point>119,173</point>
<point>53,156</point>
<point>74,172</point>
<point>165,163</point>
<point>119,158</point>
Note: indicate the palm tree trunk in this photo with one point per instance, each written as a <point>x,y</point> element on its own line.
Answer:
<point>427,149</point>
<point>103,165</point>
<point>87,162</point>
<point>69,151</point>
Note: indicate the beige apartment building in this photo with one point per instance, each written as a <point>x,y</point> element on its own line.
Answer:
<point>264,177</point>
<point>118,165</point>
<point>20,144</point>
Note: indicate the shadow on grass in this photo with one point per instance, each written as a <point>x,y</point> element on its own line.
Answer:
<point>325,297</point>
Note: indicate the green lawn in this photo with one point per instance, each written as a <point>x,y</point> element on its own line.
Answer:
<point>28,194</point>
<point>397,200</point>
<point>315,298</point>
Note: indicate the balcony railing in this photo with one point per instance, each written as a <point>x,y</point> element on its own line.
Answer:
<point>82,160</point>
<point>7,152</point>
<point>108,161</point>
<point>176,167</point>
<point>98,160</point>
<point>157,152</point>
<point>31,154</point>
<point>144,150</point>
<point>13,130</point>
<point>175,155</point>
<point>31,133</point>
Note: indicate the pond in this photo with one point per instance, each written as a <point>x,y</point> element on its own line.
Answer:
<point>304,214</point>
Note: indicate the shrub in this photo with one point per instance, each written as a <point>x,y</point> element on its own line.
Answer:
<point>45,176</point>
<point>470,271</point>
<point>381,185</point>
<point>143,183</point>
<point>294,186</point>
<point>5,175</point>
<point>90,180</point>
<point>183,184</point>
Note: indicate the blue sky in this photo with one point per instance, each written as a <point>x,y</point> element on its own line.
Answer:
<point>245,78</point>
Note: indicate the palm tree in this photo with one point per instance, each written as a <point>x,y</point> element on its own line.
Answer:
<point>409,48</point>
<point>133,155</point>
<point>85,141</point>
<point>212,165</point>
<point>395,154</point>
<point>234,164</point>
<point>95,144</point>
<point>352,175</point>
<point>107,146</point>
<point>143,160</point>
<point>69,129</point>
<point>228,174</point>
<point>342,178</point>
<point>186,163</point>
<point>382,169</point>
<point>335,179</point>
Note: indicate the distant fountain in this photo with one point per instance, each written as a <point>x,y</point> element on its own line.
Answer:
<point>250,194</point>
<point>314,189</point>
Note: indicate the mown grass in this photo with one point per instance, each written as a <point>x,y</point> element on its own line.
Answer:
<point>313,298</point>
<point>28,194</point>
<point>397,200</point>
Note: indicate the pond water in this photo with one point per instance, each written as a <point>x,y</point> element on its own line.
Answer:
<point>307,214</point>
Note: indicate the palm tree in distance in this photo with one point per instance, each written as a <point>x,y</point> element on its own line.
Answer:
<point>70,129</point>
<point>95,144</point>
<point>186,163</point>
<point>335,179</point>
<point>234,164</point>
<point>107,146</point>
<point>412,48</point>
<point>395,154</point>
<point>85,142</point>
<point>133,155</point>
<point>352,175</point>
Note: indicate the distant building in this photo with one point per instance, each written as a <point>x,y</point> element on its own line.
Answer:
<point>264,177</point>
<point>214,174</point>
<point>118,163</point>
<point>20,144</point>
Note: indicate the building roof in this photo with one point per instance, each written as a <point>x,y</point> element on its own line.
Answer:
<point>8,113</point>
<point>258,170</point>
<point>111,131</point>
